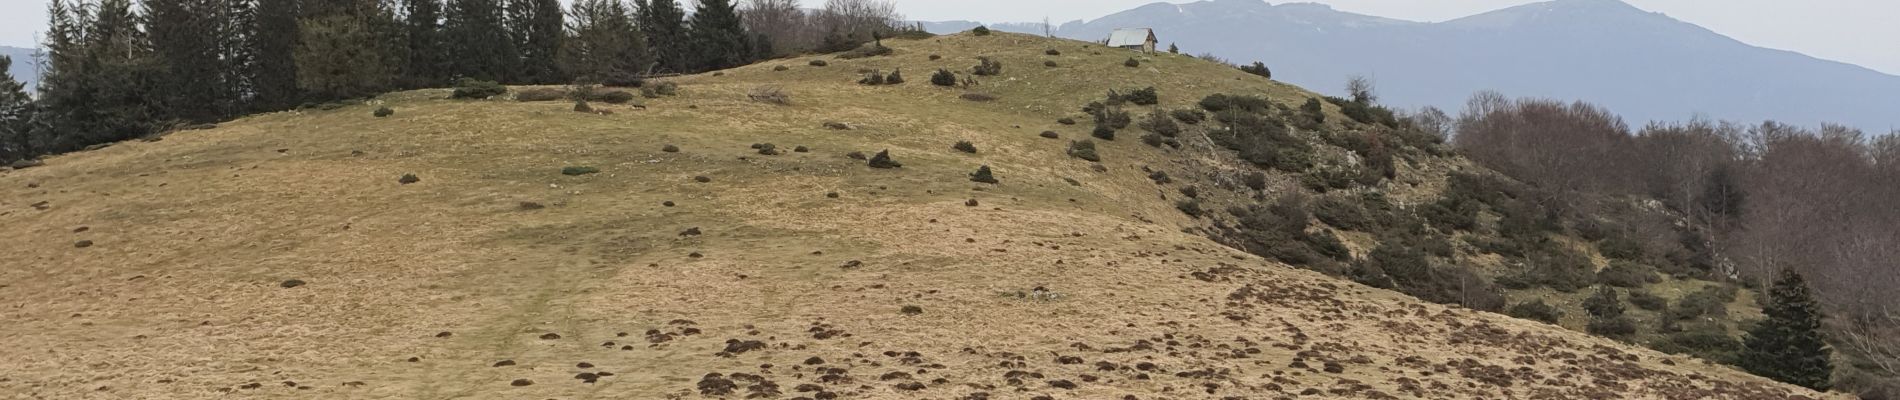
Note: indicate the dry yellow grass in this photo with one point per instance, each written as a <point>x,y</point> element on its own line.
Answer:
<point>416,291</point>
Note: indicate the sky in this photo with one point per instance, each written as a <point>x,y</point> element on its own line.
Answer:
<point>1862,32</point>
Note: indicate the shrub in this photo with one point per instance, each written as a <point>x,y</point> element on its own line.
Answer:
<point>873,79</point>
<point>581,106</point>
<point>1604,303</point>
<point>1050,134</point>
<point>612,97</point>
<point>1103,132</point>
<point>1344,214</point>
<point>382,112</point>
<point>982,175</point>
<point>1708,342</point>
<point>978,97</point>
<point>540,94</point>
<point>1151,139</point>
<point>981,31</point>
<point>1143,97</point>
<point>867,50</point>
<point>1643,299</point>
<point>666,88</point>
<point>1052,52</point>
<point>964,146</point>
<point>576,171</point>
<point>943,77</point>
<point>1711,302</point>
<point>1612,327</point>
<point>1191,192</point>
<point>1535,310</point>
<point>1312,114</point>
<point>466,88</point>
<point>883,161</point>
<point>1255,180</point>
<point>1084,149</point>
<point>1066,121</point>
<point>1258,68</point>
<point>1328,244</point>
<point>781,68</point>
<point>1627,274</point>
<point>1160,177</point>
<point>896,77</point>
<point>408,179</point>
<point>1190,117</point>
<point>766,149</point>
<point>1050,64</point>
<point>770,94</point>
<point>987,67</point>
<point>1191,207</point>
<point>1113,117</point>
<point>1159,122</point>
<point>1132,63</point>
<point>934,57</point>
<point>818,63</point>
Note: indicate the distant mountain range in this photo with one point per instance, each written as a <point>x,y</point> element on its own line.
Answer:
<point>1642,65</point>
<point>22,67</point>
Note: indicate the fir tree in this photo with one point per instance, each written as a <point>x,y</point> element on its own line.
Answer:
<point>1788,345</point>
<point>188,39</point>
<point>477,42</point>
<point>98,79</point>
<point>605,47</point>
<point>272,45</point>
<point>664,24</point>
<point>348,49</point>
<point>429,63</point>
<point>536,28</point>
<point>718,38</point>
<point>16,113</point>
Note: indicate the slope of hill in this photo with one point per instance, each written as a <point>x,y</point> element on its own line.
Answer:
<point>22,68</point>
<point>278,256</point>
<point>1645,66</point>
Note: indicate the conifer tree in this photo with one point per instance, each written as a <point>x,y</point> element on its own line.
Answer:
<point>188,40</point>
<point>605,47</point>
<point>719,39</point>
<point>98,80</point>
<point>348,48</point>
<point>535,26</point>
<point>1788,345</point>
<point>16,113</point>
<point>429,62</point>
<point>664,23</point>
<point>272,46</point>
<point>477,40</point>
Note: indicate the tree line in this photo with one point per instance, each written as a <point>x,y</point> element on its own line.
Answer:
<point>1753,201</point>
<point>118,69</point>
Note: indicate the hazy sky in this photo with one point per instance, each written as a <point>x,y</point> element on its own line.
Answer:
<point>1863,32</point>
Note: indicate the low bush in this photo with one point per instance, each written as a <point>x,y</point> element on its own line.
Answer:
<point>1050,134</point>
<point>872,79</point>
<point>1627,274</point>
<point>818,63</point>
<point>883,161</point>
<point>466,88</point>
<point>1190,117</point>
<point>1052,52</point>
<point>1258,68</point>
<point>1131,63</point>
<point>1344,213</point>
<point>896,77</point>
<point>1191,207</point>
<point>980,31</point>
<point>978,97</point>
<point>1143,97</point>
<point>612,97</point>
<point>1066,121</point>
<point>1255,180</point>
<point>1161,123</point>
<point>1535,310</point>
<point>1153,140</point>
<point>1710,302</point>
<point>1103,132</point>
<point>1160,177</point>
<point>1112,117</point>
<point>987,67</point>
<point>964,146</point>
<point>1645,300</point>
<point>540,94</point>
<point>983,175</point>
<point>1050,64</point>
<point>1619,328</point>
<point>581,106</point>
<point>1084,149</point>
<point>576,171</point>
<point>382,112</point>
<point>943,77</point>
<point>872,49</point>
<point>1328,244</point>
<point>1708,342</point>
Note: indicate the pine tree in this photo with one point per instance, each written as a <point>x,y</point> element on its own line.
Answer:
<point>272,46</point>
<point>664,24</point>
<point>1173,50</point>
<point>719,39</point>
<point>98,82</point>
<point>478,45</point>
<point>187,38</point>
<point>605,47</point>
<point>16,113</point>
<point>349,48</point>
<point>428,58</point>
<point>535,26</point>
<point>1788,345</point>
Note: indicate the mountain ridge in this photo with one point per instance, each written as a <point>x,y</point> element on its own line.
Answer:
<point>1644,65</point>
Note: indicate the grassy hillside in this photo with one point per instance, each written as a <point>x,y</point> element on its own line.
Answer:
<point>163,269</point>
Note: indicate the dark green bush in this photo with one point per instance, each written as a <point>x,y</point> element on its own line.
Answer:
<point>1154,140</point>
<point>1159,122</point>
<point>981,31</point>
<point>612,97</point>
<point>943,77</point>
<point>982,175</point>
<point>1103,132</point>
<point>1604,303</point>
<point>866,50</point>
<point>477,89</point>
<point>1191,207</point>
<point>1710,302</point>
<point>1143,97</point>
<point>987,67</point>
<point>1627,274</point>
<point>1619,328</point>
<point>541,94</point>
<point>1255,180</point>
<point>1344,213</point>
<point>896,77</point>
<point>382,112</point>
<point>1708,342</point>
<point>1258,68</point>
<point>574,171</point>
<point>1535,310</point>
<point>1328,244</point>
<point>1643,299</point>
<point>1190,117</point>
<point>1084,149</point>
<point>1052,52</point>
<point>872,79</point>
<point>883,161</point>
<point>1132,63</point>
<point>964,146</point>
